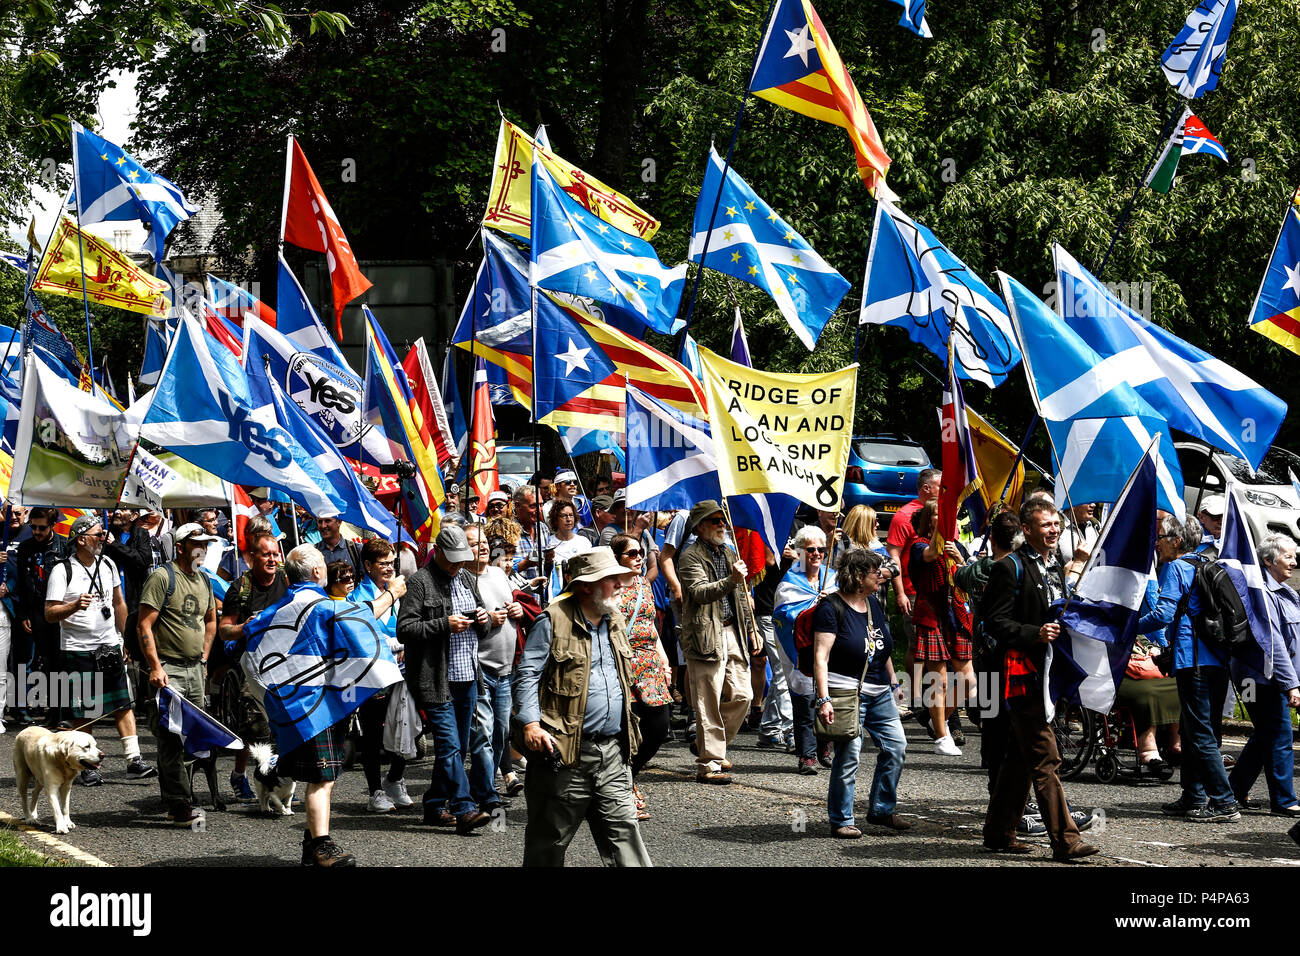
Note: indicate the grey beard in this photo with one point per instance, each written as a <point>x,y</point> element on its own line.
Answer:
<point>605,605</point>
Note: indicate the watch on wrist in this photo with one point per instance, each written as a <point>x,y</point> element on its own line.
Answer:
<point>819,701</point>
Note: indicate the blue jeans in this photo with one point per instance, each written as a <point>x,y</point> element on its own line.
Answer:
<point>451,724</point>
<point>805,738</point>
<point>879,716</point>
<point>1268,749</point>
<point>1201,695</point>
<point>491,728</point>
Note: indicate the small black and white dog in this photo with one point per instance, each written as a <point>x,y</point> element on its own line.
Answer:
<point>274,792</point>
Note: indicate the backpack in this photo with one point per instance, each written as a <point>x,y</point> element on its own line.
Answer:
<point>1222,623</point>
<point>803,632</point>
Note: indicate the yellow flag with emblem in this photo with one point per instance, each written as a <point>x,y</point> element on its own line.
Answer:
<point>510,199</point>
<point>111,278</point>
<point>780,432</point>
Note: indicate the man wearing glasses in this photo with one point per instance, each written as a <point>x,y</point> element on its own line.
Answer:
<point>36,642</point>
<point>84,597</point>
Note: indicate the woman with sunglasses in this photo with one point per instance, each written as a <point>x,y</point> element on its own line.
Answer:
<point>339,580</point>
<point>651,674</point>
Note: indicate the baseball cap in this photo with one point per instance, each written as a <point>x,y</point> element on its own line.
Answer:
<point>83,524</point>
<point>498,496</point>
<point>453,545</point>
<point>1213,506</point>
<point>602,502</point>
<point>192,532</point>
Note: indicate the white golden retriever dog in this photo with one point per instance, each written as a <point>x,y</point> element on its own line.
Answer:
<point>53,761</point>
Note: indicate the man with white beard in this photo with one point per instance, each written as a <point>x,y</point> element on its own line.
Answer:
<point>578,764</point>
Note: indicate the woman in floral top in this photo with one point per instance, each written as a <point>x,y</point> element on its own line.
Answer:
<point>651,675</point>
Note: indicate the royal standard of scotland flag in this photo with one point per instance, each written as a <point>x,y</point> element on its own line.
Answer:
<point>1240,558</point>
<point>1099,625</point>
<point>312,661</point>
<point>109,186</point>
<point>1194,391</point>
<point>574,251</point>
<point>200,733</point>
<point>1194,60</point>
<point>914,282</point>
<point>752,243</point>
<point>1276,313</point>
<point>1099,425</point>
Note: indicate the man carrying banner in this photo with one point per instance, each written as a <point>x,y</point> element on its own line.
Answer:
<point>178,621</point>
<point>717,654</point>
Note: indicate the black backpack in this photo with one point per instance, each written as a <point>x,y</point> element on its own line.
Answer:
<point>1222,623</point>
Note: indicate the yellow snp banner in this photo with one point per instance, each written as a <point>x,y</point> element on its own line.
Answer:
<point>780,432</point>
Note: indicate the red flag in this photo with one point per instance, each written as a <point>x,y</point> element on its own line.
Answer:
<point>427,410</point>
<point>309,222</point>
<point>241,509</point>
<point>483,443</point>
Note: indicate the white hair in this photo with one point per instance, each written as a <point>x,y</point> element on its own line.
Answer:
<point>809,534</point>
<point>1273,545</point>
<point>301,562</point>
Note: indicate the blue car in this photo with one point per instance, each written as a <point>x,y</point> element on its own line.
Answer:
<point>882,473</point>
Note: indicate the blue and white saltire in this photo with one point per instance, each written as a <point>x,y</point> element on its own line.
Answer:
<point>579,441</point>
<point>575,251</point>
<point>156,340</point>
<point>1099,425</point>
<point>671,464</point>
<point>1194,391</point>
<point>749,241</point>
<point>1193,62</point>
<point>199,732</point>
<point>914,281</point>
<point>689,356</point>
<point>203,410</point>
<point>1100,620</point>
<point>914,17</point>
<point>1239,556</point>
<point>11,351</point>
<point>794,595</point>
<point>110,186</point>
<point>16,260</point>
<point>312,661</point>
<point>43,334</point>
<point>297,321</point>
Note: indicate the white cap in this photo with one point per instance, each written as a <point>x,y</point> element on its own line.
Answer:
<point>1213,506</point>
<point>192,532</point>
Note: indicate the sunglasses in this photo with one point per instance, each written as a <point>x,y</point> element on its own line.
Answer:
<point>714,521</point>
<point>815,550</point>
<point>631,554</point>
<point>345,579</point>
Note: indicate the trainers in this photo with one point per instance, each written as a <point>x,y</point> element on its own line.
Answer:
<point>239,784</point>
<point>396,791</point>
<point>824,755</point>
<point>1031,826</point>
<point>787,741</point>
<point>807,767</point>
<point>1082,819</point>
<point>1180,807</point>
<point>514,786</point>
<point>90,777</point>
<point>187,816</point>
<point>1031,809</point>
<point>380,802</point>
<point>136,767</point>
<point>770,741</point>
<point>324,852</point>
<point>1228,813</point>
<point>944,745</point>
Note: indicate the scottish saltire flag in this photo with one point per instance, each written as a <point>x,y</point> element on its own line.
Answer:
<point>156,340</point>
<point>1099,426</point>
<point>1191,389</point>
<point>297,321</point>
<point>496,321</point>
<point>1190,136</point>
<point>1099,624</point>
<point>312,661</point>
<point>1239,555</point>
<point>14,259</point>
<point>199,732</point>
<point>11,351</point>
<point>671,464</point>
<point>110,186</point>
<point>749,241</point>
<point>961,482</point>
<point>234,302</point>
<point>204,410</point>
<point>580,441</point>
<point>913,17</point>
<point>689,356</point>
<point>1276,312</point>
<point>1194,60</point>
<point>573,251</point>
<point>915,282</point>
<point>799,68</point>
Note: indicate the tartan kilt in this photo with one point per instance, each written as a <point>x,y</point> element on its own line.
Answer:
<point>81,672</point>
<point>931,646</point>
<point>318,760</point>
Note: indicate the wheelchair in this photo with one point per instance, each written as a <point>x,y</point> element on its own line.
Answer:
<point>1107,741</point>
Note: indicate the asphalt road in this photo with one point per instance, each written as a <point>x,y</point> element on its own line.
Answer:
<point>769,816</point>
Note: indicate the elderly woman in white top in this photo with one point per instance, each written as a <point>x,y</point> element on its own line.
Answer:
<point>1268,699</point>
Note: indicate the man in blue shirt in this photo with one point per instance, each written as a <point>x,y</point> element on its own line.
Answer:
<point>573,688</point>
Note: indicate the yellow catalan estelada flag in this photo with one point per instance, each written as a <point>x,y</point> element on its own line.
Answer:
<point>111,278</point>
<point>510,203</point>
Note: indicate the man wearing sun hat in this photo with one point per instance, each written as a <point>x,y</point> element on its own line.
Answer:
<point>573,691</point>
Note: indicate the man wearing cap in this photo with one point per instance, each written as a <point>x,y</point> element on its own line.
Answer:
<point>440,622</point>
<point>566,489</point>
<point>1211,518</point>
<point>178,621</point>
<point>601,518</point>
<point>84,597</point>
<point>614,517</point>
<point>451,503</point>
<point>497,506</point>
<point>573,690</point>
<point>713,638</point>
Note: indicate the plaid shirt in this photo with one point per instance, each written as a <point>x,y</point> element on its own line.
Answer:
<point>464,644</point>
<point>723,569</point>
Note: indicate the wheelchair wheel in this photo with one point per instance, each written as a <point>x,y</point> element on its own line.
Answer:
<point>1107,768</point>
<point>1075,738</point>
<point>229,700</point>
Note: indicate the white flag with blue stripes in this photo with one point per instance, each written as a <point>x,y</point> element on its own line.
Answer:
<point>1239,556</point>
<point>199,732</point>
<point>1193,62</point>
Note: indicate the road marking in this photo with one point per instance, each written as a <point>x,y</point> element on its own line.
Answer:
<point>54,843</point>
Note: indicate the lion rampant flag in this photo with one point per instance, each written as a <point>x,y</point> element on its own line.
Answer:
<point>111,278</point>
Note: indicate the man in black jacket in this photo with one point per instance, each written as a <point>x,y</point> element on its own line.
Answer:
<point>440,621</point>
<point>35,559</point>
<point>1016,603</point>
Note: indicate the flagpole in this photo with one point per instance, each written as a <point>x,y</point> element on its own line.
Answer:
<point>85,299</point>
<point>722,179</point>
<point>537,464</point>
<point>288,178</point>
<point>473,401</point>
<point>748,613</point>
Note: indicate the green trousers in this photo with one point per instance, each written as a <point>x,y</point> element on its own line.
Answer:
<point>187,679</point>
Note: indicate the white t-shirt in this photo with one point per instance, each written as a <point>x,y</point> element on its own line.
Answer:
<point>89,628</point>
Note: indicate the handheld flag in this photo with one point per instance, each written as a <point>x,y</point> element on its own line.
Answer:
<point>42,334</point>
<point>1190,136</point>
<point>483,476</point>
<point>915,282</point>
<point>1192,389</point>
<point>1193,62</point>
<point>996,457</point>
<point>913,17</point>
<point>1239,555</point>
<point>739,343</point>
<point>200,733</point>
<point>312,661</point>
<point>752,243</point>
<point>799,68</point>
<point>309,222</point>
<point>233,302</point>
<point>961,481</point>
<point>110,186</point>
<point>427,411</point>
<point>111,278</point>
<point>297,321</point>
<point>1276,312</point>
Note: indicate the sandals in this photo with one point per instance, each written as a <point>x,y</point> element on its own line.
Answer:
<point>641,812</point>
